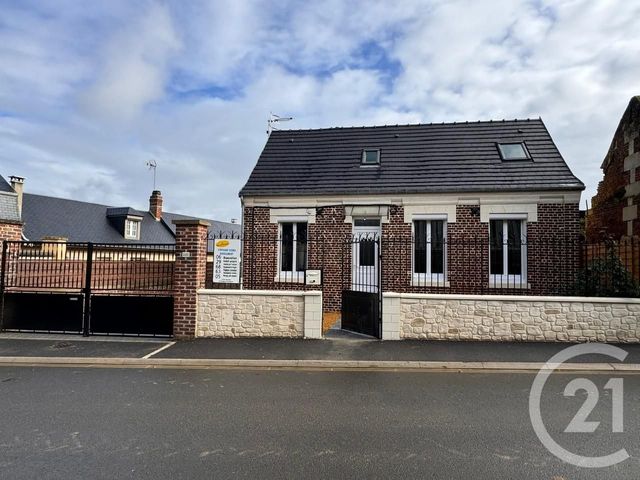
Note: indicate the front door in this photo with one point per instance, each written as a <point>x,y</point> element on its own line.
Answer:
<point>365,256</point>
<point>361,299</point>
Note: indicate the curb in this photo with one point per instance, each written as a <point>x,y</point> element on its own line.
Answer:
<point>417,366</point>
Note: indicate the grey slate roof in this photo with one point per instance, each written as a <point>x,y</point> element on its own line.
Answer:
<point>9,207</point>
<point>4,185</point>
<point>123,212</point>
<point>423,158</point>
<point>217,228</point>
<point>88,222</point>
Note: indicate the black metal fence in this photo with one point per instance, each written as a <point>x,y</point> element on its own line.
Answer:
<point>88,288</point>
<point>498,265</point>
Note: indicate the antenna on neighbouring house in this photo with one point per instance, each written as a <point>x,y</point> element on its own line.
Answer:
<point>273,118</point>
<point>152,164</point>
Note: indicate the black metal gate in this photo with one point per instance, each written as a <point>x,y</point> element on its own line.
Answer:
<point>86,288</point>
<point>361,293</point>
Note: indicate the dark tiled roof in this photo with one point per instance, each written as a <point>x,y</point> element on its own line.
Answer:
<point>4,185</point>
<point>124,212</point>
<point>449,157</point>
<point>88,222</point>
<point>217,228</point>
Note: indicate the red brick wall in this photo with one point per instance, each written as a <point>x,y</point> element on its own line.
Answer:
<point>552,252</point>
<point>10,231</point>
<point>605,216</point>
<point>327,251</point>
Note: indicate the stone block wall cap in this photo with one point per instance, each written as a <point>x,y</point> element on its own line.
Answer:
<point>192,221</point>
<point>275,293</point>
<point>512,298</point>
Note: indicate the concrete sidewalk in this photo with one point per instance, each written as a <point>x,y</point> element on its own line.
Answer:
<point>338,354</point>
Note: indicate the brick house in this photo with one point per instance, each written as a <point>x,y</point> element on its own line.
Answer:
<point>472,207</point>
<point>614,211</point>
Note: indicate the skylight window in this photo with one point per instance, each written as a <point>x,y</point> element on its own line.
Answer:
<point>513,151</point>
<point>371,157</point>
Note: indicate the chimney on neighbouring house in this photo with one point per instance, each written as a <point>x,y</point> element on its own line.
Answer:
<point>155,204</point>
<point>17,183</point>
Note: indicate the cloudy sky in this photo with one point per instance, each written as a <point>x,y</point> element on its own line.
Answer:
<point>90,91</point>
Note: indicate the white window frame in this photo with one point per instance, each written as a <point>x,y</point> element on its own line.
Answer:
<point>363,161</point>
<point>429,279</point>
<point>291,276</point>
<point>506,280</point>
<point>128,234</point>
<point>513,159</point>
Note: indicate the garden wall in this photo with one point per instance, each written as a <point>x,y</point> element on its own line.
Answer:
<point>510,318</point>
<point>259,313</point>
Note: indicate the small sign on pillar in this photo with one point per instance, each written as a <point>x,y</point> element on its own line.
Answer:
<point>226,261</point>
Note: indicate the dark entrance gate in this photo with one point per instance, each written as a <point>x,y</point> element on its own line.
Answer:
<point>361,294</point>
<point>86,288</point>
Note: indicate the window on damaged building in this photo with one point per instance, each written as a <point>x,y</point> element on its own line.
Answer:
<point>429,252</point>
<point>293,247</point>
<point>507,255</point>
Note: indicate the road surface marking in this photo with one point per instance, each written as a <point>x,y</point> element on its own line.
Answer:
<point>164,347</point>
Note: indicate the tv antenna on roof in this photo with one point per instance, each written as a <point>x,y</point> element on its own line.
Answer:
<point>273,118</point>
<point>152,164</point>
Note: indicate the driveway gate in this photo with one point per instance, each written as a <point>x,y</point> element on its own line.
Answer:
<point>92,289</point>
<point>361,293</point>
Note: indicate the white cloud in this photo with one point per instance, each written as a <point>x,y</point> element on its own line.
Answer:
<point>135,67</point>
<point>89,93</point>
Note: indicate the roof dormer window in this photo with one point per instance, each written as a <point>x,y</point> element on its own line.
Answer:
<point>132,229</point>
<point>371,156</point>
<point>513,151</point>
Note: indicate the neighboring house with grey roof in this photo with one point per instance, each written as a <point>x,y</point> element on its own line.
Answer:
<point>46,217</point>
<point>418,190</point>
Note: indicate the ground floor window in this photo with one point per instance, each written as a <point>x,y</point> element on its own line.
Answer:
<point>429,252</point>
<point>507,255</point>
<point>293,249</point>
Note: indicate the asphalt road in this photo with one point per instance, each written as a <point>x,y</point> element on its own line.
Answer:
<point>13,347</point>
<point>410,350</point>
<point>68,423</point>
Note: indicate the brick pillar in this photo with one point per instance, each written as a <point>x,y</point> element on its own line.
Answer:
<point>189,274</point>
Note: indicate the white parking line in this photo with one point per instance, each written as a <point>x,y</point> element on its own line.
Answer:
<point>164,347</point>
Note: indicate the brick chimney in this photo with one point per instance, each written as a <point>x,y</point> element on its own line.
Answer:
<point>155,204</point>
<point>17,183</point>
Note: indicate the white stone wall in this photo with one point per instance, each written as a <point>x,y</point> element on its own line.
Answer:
<point>257,313</point>
<point>505,318</point>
